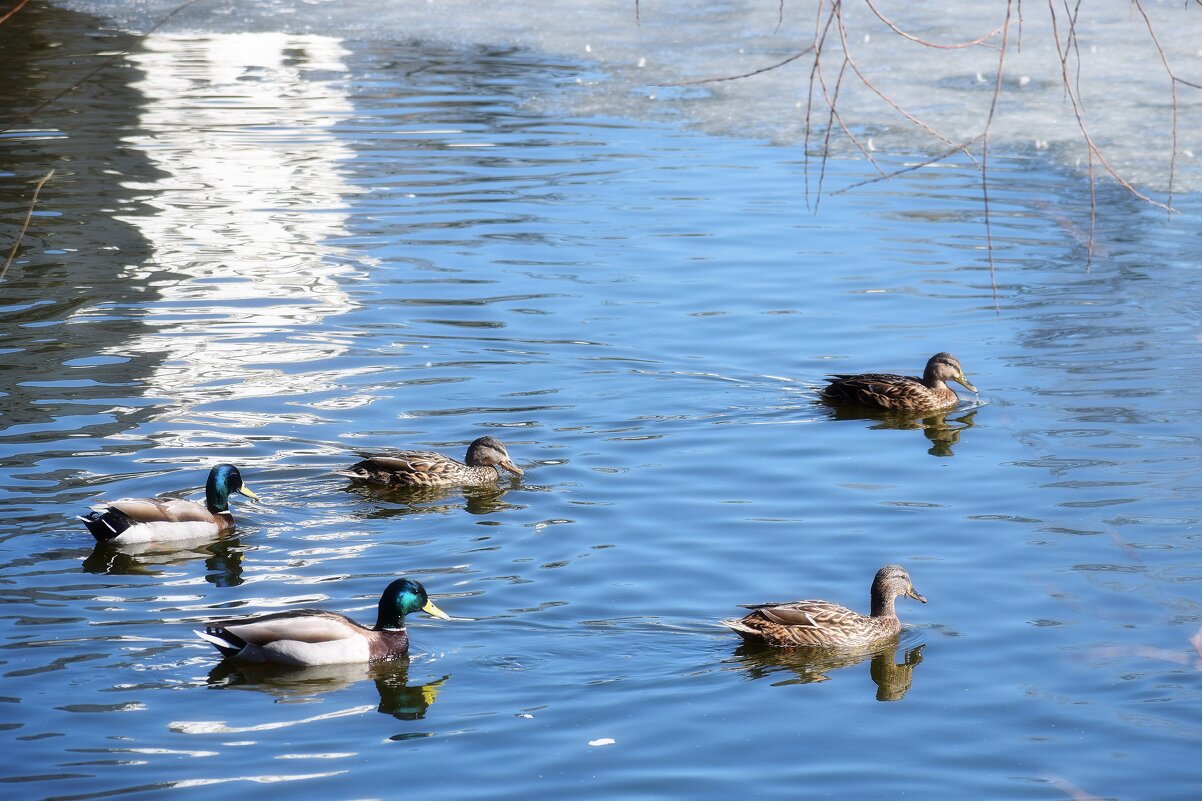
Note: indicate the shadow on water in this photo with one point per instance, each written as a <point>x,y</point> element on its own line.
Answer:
<point>398,698</point>
<point>942,430</point>
<point>810,665</point>
<point>222,558</point>
<point>50,296</point>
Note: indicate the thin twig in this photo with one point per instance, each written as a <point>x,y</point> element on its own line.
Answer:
<point>833,117</point>
<point>1076,40</point>
<point>18,7</point>
<point>1077,112</point>
<point>960,148</point>
<point>25,226</point>
<point>815,71</point>
<point>890,101</point>
<point>760,71</point>
<point>978,42</point>
<point>1069,89</point>
<point>997,91</point>
<point>104,64</point>
<point>1174,80</point>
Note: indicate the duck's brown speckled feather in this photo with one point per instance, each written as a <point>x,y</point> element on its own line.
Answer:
<point>421,469</point>
<point>413,468</point>
<point>811,622</point>
<point>888,391</point>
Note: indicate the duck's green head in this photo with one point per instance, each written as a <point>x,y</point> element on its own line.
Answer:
<point>224,479</point>
<point>402,597</point>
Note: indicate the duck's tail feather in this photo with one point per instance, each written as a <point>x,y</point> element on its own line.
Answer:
<point>106,524</point>
<point>739,626</point>
<point>225,642</point>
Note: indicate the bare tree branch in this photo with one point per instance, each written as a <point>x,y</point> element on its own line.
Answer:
<point>25,226</point>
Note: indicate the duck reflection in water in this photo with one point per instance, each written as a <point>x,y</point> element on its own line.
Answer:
<point>942,429</point>
<point>398,698</point>
<point>222,557</point>
<point>809,664</point>
<point>387,501</point>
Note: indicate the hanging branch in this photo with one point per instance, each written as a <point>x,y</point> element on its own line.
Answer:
<point>980,41</point>
<point>997,91</point>
<point>25,226</point>
<point>102,65</point>
<point>15,9</point>
<point>753,73</point>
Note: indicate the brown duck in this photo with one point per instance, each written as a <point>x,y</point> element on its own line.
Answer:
<point>899,392</point>
<point>827,624</point>
<point>482,465</point>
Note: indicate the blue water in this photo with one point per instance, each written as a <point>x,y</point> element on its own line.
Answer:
<point>357,246</point>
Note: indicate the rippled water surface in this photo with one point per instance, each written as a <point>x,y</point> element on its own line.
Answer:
<point>278,250</point>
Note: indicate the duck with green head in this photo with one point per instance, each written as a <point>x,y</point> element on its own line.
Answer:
<point>899,392</point>
<point>152,520</point>
<point>306,637</point>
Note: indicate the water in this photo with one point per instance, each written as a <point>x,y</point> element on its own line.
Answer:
<point>277,250</point>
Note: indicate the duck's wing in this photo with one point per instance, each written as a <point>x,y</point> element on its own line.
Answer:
<point>886,390</point>
<point>298,625</point>
<point>406,464</point>
<point>806,614</point>
<point>150,510</point>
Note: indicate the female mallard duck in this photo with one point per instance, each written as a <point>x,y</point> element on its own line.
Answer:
<point>485,457</point>
<point>152,520</point>
<point>822,623</point>
<point>899,392</point>
<point>306,637</point>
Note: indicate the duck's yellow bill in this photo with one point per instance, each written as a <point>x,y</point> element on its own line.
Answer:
<point>245,490</point>
<point>965,383</point>
<point>431,609</point>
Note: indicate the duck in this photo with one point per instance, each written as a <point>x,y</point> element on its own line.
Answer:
<point>141,520</point>
<point>826,624</point>
<point>482,465</point>
<point>899,392</point>
<point>311,637</point>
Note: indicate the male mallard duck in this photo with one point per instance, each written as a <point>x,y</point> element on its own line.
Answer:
<point>314,637</point>
<point>899,392</point>
<point>485,457</point>
<point>822,623</point>
<point>152,520</point>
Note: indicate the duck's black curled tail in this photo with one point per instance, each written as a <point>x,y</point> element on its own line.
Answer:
<point>108,524</point>
<point>224,641</point>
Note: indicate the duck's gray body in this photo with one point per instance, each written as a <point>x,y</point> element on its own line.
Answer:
<point>317,637</point>
<point>304,637</point>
